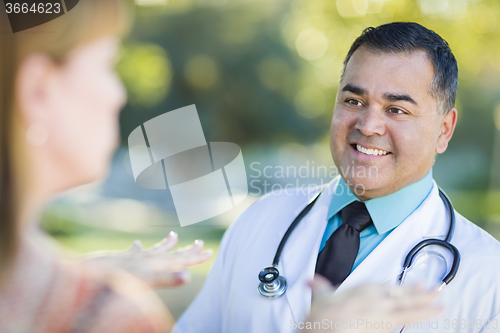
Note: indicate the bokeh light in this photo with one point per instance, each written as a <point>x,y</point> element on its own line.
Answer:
<point>310,102</point>
<point>146,71</point>
<point>311,44</point>
<point>201,72</point>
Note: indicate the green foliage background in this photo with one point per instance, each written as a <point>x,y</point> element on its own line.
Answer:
<point>266,72</point>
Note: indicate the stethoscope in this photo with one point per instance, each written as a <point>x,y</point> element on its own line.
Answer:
<point>273,285</point>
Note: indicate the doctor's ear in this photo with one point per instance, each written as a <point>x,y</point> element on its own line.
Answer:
<point>447,128</point>
<point>34,87</point>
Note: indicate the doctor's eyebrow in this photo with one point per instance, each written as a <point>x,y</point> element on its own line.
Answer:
<point>388,96</point>
<point>355,89</point>
<point>399,97</point>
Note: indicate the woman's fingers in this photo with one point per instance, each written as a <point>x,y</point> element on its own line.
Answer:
<point>166,278</point>
<point>172,270</point>
<point>166,244</point>
<point>158,266</point>
<point>136,247</point>
<point>189,259</point>
<point>196,258</point>
<point>187,256</point>
<point>196,247</point>
<point>163,246</point>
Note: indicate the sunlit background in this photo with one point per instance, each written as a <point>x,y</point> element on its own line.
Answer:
<point>264,74</point>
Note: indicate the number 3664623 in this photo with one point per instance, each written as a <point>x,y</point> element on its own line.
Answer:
<point>40,8</point>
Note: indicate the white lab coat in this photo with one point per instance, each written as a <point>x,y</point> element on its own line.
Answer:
<point>230,303</point>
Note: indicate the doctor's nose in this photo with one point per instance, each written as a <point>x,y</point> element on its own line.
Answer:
<point>371,122</point>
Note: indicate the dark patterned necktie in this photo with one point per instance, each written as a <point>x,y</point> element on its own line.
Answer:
<point>336,259</point>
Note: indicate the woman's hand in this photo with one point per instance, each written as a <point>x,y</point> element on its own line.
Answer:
<point>157,266</point>
<point>385,307</point>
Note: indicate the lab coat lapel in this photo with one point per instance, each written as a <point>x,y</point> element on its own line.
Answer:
<point>300,254</point>
<point>385,262</point>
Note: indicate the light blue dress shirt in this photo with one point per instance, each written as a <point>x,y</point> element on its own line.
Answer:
<point>386,213</point>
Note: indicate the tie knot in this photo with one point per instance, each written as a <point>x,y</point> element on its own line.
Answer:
<point>356,215</point>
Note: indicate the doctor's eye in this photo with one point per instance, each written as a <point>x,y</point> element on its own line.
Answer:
<point>354,102</point>
<point>396,111</point>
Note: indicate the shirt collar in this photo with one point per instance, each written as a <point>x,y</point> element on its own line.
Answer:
<point>386,212</point>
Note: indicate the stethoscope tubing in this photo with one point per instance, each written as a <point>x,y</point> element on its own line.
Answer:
<point>292,226</point>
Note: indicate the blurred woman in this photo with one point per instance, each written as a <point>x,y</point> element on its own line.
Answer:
<point>59,103</point>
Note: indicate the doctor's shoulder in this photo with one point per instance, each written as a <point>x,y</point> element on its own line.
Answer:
<point>473,241</point>
<point>276,207</point>
<point>480,254</point>
<point>268,217</point>
<point>476,288</point>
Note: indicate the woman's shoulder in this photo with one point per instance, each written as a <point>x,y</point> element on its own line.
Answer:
<point>45,294</point>
<point>93,300</point>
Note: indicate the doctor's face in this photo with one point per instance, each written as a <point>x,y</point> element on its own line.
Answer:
<point>386,128</point>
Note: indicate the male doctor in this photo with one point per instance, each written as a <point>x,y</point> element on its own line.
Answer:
<point>393,113</point>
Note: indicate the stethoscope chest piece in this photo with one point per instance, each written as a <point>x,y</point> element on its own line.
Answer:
<point>271,285</point>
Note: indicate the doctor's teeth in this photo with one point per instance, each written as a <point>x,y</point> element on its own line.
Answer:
<point>370,151</point>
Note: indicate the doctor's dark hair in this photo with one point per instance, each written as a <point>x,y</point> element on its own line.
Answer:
<point>408,37</point>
